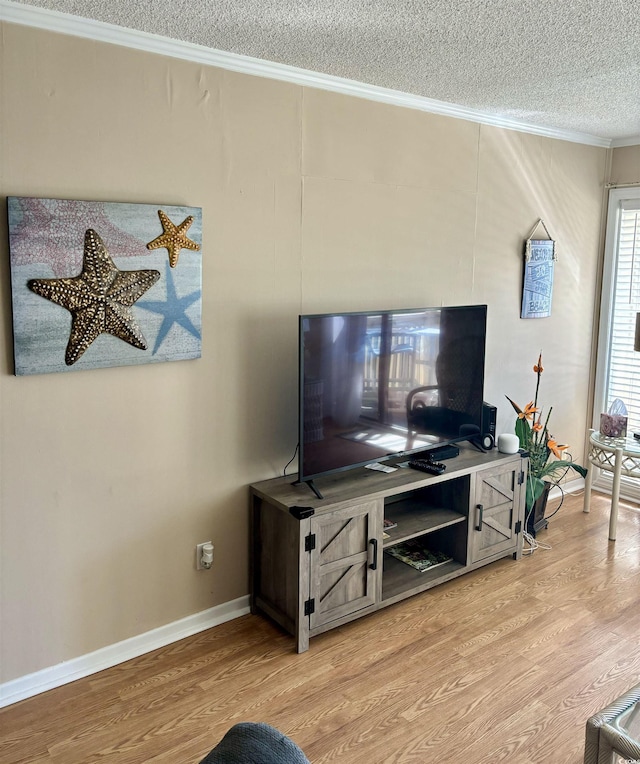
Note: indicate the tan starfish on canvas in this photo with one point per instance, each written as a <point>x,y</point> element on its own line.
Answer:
<point>99,299</point>
<point>173,238</point>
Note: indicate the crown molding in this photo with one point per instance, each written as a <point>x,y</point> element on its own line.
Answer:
<point>64,23</point>
<point>633,140</point>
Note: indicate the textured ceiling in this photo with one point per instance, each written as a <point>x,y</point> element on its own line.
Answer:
<point>572,65</point>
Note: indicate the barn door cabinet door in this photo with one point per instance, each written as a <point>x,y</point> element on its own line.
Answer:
<point>496,525</point>
<point>345,563</point>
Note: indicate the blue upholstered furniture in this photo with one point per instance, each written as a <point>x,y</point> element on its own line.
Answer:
<point>255,743</point>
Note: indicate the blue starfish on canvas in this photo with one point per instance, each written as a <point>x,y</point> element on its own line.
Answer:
<point>173,310</point>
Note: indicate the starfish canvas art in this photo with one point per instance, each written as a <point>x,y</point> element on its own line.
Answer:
<point>108,299</point>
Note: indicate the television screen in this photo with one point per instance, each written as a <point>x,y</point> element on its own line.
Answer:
<point>377,385</point>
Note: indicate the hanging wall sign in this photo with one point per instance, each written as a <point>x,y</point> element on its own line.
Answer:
<point>98,284</point>
<point>539,259</point>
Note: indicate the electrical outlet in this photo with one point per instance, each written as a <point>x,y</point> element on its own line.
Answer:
<point>200,549</point>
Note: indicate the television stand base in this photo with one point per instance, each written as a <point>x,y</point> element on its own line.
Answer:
<point>311,485</point>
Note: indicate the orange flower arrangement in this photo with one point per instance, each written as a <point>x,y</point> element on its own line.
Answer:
<point>535,438</point>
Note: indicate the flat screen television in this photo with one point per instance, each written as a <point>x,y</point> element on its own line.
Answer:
<point>382,384</point>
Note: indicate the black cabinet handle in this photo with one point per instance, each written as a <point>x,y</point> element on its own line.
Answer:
<point>374,543</point>
<point>480,511</point>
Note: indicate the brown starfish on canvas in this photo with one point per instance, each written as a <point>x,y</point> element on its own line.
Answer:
<point>173,238</point>
<point>99,299</point>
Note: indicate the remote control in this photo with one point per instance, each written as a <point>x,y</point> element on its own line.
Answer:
<point>426,465</point>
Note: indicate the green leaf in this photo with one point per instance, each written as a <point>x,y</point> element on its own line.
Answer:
<point>535,487</point>
<point>523,431</point>
<point>556,466</point>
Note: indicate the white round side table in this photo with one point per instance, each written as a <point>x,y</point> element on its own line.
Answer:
<point>620,456</point>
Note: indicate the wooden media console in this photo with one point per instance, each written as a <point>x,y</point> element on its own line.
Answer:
<point>319,563</point>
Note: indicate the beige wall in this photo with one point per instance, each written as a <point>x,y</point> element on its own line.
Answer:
<point>311,201</point>
<point>625,164</point>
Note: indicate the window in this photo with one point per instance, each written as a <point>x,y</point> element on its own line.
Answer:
<point>618,371</point>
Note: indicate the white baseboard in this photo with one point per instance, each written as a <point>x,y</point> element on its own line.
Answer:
<point>68,671</point>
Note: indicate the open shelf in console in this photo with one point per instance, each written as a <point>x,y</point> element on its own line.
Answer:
<point>414,519</point>
<point>436,518</point>
<point>426,510</point>
<point>398,578</point>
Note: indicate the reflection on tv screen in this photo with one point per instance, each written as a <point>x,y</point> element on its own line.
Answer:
<point>376,385</point>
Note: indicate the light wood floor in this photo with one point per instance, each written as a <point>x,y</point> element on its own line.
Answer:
<point>504,664</point>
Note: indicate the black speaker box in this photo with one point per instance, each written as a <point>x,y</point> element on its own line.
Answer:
<point>489,416</point>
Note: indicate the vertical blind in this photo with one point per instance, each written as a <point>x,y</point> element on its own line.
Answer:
<point>623,379</point>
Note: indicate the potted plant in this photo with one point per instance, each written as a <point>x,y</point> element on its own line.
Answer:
<point>535,438</point>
